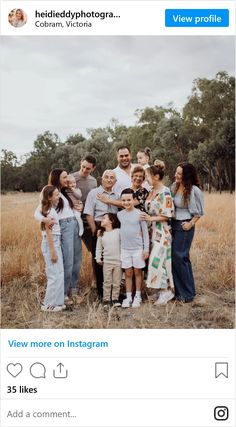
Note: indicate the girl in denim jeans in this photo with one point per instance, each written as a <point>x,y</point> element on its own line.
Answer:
<point>70,241</point>
<point>51,249</point>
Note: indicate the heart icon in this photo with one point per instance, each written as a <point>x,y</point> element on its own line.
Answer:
<point>14,369</point>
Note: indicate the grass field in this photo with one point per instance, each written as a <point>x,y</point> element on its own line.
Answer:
<point>23,278</point>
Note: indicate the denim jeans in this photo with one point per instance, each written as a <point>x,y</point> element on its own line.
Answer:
<point>71,251</point>
<point>54,272</point>
<point>181,264</point>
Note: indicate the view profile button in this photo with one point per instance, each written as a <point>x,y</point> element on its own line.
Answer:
<point>196,17</point>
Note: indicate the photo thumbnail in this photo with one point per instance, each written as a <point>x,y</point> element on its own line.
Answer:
<point>17,18</point>
<point>117,182</point>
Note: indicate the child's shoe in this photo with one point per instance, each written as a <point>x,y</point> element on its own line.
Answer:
<point>116,303</point>
<point>136,302</point>
<point>54,308</point>
<point>164,297</point>
<point>126,303</point>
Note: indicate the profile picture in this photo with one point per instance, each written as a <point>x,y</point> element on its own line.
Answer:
<point>17,18</point>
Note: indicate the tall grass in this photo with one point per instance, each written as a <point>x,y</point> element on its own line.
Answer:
<point>23,278</point>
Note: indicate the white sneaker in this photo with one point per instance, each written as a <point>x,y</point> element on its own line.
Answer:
<point>126,303</point>
<point>53,308</point>
<point>136,302</point>
<point>164,297</point>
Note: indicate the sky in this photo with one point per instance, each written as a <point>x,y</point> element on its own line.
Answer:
<point>69,84</point>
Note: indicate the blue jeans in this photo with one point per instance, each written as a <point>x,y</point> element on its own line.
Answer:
<point>71,251</point>
<point>54,272</point>
<point>181,264</point>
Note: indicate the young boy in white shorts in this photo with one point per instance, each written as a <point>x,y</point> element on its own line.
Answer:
<point>134,247</point>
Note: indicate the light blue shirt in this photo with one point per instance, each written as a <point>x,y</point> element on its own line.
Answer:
<point>95,207</point>
<point>133,231</point>
<point>195,206</point>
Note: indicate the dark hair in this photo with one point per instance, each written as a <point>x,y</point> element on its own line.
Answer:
<point>158,169</point>
<point>146,151</point>
<point>46,193</point>
<point>90,159</point>
<point>189,179</point>
<point>138,169</point>
<point>54,179</point>
<point>123,147</point>
<point>127,191</point>
<point>114,221</point>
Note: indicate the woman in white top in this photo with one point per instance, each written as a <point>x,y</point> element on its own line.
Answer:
<point>70,241</point>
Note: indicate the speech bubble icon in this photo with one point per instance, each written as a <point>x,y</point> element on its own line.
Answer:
<point>38,370</point>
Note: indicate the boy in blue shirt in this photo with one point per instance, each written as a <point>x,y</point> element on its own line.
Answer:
<point>134,247</point>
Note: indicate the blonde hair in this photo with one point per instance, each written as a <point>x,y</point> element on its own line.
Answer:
<point>160,164</point>
<point>70,176</point>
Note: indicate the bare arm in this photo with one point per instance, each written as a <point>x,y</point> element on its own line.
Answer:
<point>51,244</point>
<point>91,223</point>
<point>105,199</point>
<point>158,218</point>
<point>40,217</point>
<point>190,224</point>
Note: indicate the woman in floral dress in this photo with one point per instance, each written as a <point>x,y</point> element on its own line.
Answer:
<point>159,207</point>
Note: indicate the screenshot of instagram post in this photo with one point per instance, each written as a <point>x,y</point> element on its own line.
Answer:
<point>117,213</point>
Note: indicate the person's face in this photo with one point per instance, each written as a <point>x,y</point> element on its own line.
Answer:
<point>108,180</point>
<point>105,221</point>
<point>178,175</point>
<point>127,201</point>
<point>137,179</point>
<point>55,197</point>
<point>142,158</point>
<point>124,158</point>
<point>63,179</point>
<point>71,183</point>
<point>19,15</point>
<point>86,168</point>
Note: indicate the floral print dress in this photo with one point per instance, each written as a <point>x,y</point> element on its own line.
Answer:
<point>159,266</point>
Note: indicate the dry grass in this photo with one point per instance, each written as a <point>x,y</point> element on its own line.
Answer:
<point>23,279</point>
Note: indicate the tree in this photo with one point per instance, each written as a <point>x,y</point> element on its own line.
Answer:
<point>9,170</point>
<point>210,110</point>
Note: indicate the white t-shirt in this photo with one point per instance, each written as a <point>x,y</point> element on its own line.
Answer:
<point>66,212</point>
<point>123,180</point>
<point>52,214</point>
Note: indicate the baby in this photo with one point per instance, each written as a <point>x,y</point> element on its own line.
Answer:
<point>75,195</point>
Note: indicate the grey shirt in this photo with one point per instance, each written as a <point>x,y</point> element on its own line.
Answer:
<point>195,206</point>
<point>95,207</point>
<point>85,184</point>
<point>133,231</point>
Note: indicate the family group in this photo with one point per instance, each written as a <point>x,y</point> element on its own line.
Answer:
<point>133,225</point>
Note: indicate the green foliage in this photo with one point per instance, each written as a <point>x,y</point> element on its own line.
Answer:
<point>211,111</point>
<point>8,170</point>
<point>204,133</point>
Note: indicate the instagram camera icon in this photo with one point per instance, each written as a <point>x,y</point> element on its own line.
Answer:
<point>221,413</point>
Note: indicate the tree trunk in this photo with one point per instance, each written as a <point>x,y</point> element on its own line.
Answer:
<point>209,182</point>
<point>230,180</point>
